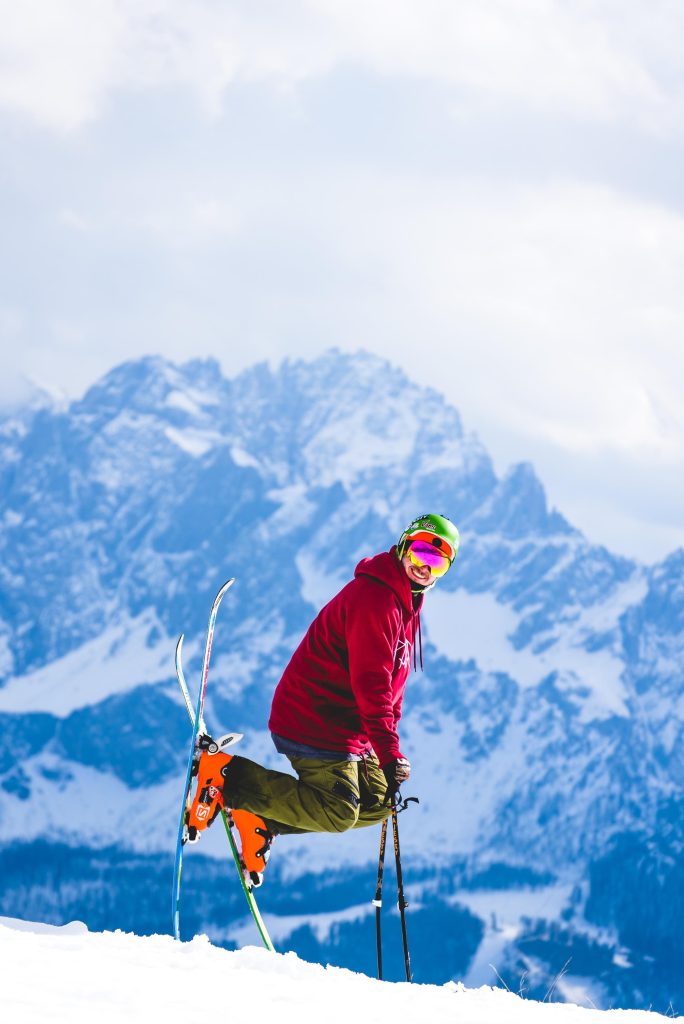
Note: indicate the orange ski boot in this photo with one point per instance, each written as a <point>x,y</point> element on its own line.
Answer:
<point>208,799</point>
<point>255,841</point>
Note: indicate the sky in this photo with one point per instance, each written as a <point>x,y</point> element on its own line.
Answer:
<point>486,192</point>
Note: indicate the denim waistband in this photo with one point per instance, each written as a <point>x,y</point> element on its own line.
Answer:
<point>293,749</point>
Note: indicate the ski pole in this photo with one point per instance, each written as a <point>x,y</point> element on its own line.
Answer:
<point>400,891</point>
<point>377,902</point>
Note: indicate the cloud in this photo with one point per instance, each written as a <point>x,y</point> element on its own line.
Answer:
<point>575,291</point>
<point>58,61</point>
<point>545,53</point>
<point>61,62</point>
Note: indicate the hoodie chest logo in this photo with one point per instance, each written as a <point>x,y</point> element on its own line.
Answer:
<point>402,655</point>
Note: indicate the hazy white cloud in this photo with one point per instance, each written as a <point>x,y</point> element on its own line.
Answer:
<point>597,60</point>
<point>547,53</point>
<point>577,286</point>
<point>58,60</point>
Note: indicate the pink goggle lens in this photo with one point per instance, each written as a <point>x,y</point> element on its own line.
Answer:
<point>424,554</point>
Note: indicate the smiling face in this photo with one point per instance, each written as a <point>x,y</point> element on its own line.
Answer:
<point>417,573</point>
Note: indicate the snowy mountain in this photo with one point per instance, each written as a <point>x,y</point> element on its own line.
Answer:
<point>114,976</point>
<point>545,731</point>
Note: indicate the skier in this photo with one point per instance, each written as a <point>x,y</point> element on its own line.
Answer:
<point>336,708</point>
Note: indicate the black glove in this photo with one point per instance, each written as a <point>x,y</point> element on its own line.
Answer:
<point>395,772</point>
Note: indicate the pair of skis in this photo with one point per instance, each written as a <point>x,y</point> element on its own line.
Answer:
<point>199,730</point>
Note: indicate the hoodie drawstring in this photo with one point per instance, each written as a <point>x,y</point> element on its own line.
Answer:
<point>416,620</point>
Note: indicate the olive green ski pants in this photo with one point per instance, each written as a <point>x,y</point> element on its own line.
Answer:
<point>328,796</point>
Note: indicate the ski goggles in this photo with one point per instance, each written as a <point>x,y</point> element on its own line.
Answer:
<point>433,541</point>
<point>421,554</point>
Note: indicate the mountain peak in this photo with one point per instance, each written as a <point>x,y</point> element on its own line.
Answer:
<point>518,507</point>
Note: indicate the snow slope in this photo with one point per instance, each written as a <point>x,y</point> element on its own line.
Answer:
<point>60,974</point>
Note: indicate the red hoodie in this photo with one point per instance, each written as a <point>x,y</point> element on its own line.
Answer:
<point>344,685</point>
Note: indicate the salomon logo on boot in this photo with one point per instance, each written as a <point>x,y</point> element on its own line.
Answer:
<point>209,771</point>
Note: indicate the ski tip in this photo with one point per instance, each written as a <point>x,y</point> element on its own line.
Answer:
<point>226,586</point>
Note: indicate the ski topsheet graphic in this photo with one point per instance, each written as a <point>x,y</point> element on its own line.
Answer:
<point>200,739</point>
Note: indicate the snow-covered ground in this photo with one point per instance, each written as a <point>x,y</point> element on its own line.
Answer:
<point>118,660</point>
<point>70,974</point>
<point>464,625</point>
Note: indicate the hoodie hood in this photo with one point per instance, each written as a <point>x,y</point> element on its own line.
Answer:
<point>387,568</point>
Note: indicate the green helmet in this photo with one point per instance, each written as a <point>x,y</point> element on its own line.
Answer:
<point>432,529</point>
